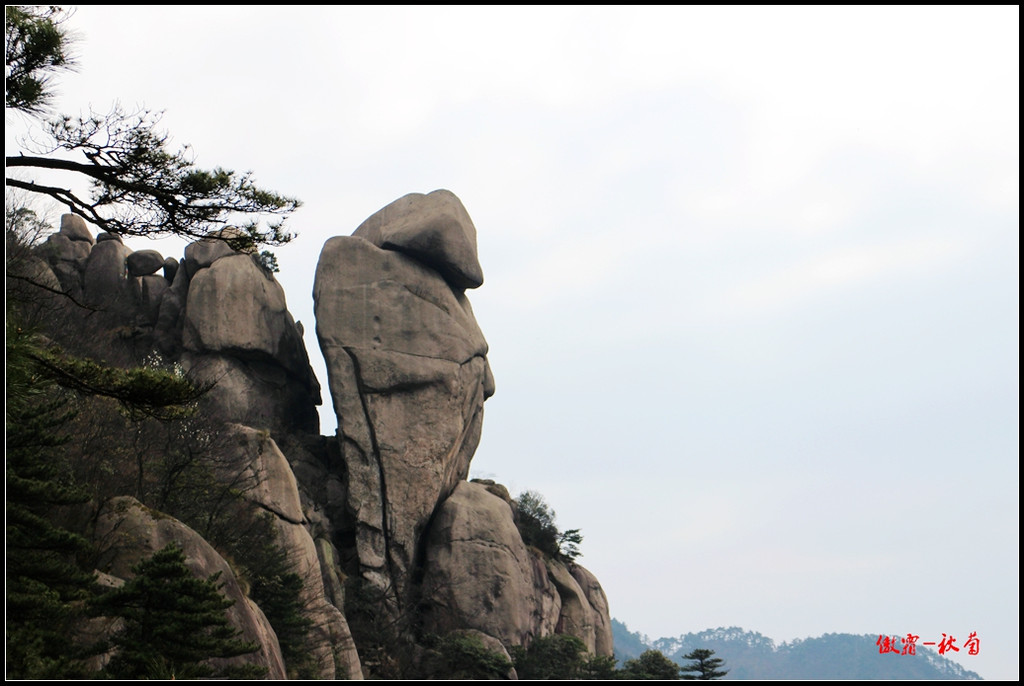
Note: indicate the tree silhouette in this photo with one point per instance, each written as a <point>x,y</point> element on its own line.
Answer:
<point>703,667</point>
<point>140,186</point>
<point>650,665</point>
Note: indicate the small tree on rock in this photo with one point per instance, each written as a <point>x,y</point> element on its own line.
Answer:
<point>174,622</point>
<point>704,667</point>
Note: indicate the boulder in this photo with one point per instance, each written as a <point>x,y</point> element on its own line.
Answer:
<point>329,642</point>
<point>202,254</point>
<point>600,614</point>
<point>237,307</point>
<point>434,229</point>
<point>253,392</point>
<point>150,291</point>
<point>75,228</point>
<point>145,262</point>
<point>105,278</point>
<point>170,268</point>
<point>478,573</point>
<point>105,236</point>
<point>58,247</point>
<point>274,487</point>
<point>167,332</point>
<point>576,616</point>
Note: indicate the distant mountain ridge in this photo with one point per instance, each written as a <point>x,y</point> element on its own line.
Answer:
<point>750,655</point>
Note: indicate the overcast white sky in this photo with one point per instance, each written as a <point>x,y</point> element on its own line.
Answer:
<point>751,275</point>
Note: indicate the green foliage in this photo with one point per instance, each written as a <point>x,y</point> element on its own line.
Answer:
<point>703,666</point>
<point>174,622</point>
<point>268,261</point>
<point>37,48</point>
<point>44,580</point>
<point>464,656</point>
<point>559,656</point>
<point>142,391</point>
<point>599,668</point>
<point>650,665</point>
<point>273,586</point>
<point>536,523</point>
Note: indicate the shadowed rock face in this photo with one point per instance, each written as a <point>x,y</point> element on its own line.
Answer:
<point>408,375</point>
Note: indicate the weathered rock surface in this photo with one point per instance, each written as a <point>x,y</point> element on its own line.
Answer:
<point>575,616</point>
<point>408,375</point>
<point>600,614</point>
<point>271,485</point>
<point>202,254</point>
<point>236,317</point>
<point>433,229</point>
<point>105,278</point>
<point>478,572</point>
<point>235,306</point>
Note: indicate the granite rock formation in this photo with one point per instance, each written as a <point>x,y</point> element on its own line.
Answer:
<point>408,373</point>
<point>383,504</point>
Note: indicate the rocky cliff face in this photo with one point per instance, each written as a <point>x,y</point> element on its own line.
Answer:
<point>383,505</point>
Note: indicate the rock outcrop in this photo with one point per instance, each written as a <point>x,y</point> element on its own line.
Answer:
<point>408,373</point>
<point>479,574</point>
<point>408,376</point>
<point>223,316</point>
<point>382,505</point>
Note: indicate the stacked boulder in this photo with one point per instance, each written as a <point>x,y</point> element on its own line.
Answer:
<point>221,316</point>
<point>218,312</point>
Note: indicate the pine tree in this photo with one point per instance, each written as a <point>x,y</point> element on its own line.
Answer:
<point>174,622</point>
<point>704,667</point>
<point>44,582</point>
<point>650,665</point>
<point>140,186</point>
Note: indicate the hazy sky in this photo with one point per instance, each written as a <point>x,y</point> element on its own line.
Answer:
<point>751,275</point>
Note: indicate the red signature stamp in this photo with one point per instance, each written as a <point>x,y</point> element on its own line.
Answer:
<point>908,645</point>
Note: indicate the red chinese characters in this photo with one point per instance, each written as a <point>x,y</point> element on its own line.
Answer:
<point>908,645</point>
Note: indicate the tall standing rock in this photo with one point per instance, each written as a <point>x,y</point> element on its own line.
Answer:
<point>407,368</point>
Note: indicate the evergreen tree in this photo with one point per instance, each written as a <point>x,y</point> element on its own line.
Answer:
<point>704,667</point>
<point>174,622</point>
<point>650,665</point>
<point>559,656</point>
<point>44,581</point>
<point>462,655</point>
<point>37,48</point>
<point>536,523</point>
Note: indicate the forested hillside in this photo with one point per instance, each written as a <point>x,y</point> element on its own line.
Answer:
<point>750,655</point>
